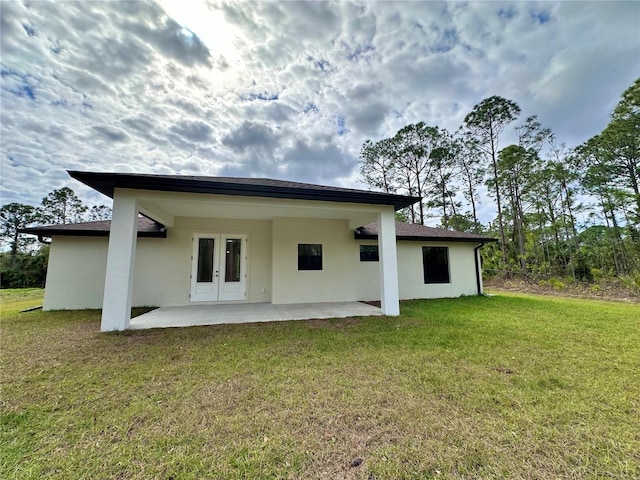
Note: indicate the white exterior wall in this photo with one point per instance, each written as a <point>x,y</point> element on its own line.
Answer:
<point>77,265</point>
<point>345,278</point>
<point>410,275</point>
<point>462,271</point>
<point>162,271</point>
<point>75,274</point>
<point>338,279</point>
<point>366,274</point>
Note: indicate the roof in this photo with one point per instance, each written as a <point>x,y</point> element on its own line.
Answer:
<point>416,232</point>
<point>254,187</point>
<point>150,228</point>
<point>146,228</point>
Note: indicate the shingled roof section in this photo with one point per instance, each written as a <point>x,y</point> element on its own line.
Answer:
<point>253,187</point>
<point>416,232</point>
<point>146,228</point>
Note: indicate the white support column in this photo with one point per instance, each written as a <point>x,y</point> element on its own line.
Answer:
<point>389,297</point>
<point>118,285</point>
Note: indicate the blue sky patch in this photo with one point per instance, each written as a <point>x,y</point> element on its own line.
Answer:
<point>540,17</point>
<point>310,108</point>
<point>507,13</point>
<point>25,91</point>
<point>86,103</point>
<point>25,87</point>
<point>322,64</point>
<point>447,41</point>
<point>30,30</point>
<point>341,124</point>
<point>319,63</point>
<point>266,97</point>
<point>359,52</point>
<point>61,102</point>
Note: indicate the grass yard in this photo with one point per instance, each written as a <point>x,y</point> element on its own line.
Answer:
<point>512,386</point>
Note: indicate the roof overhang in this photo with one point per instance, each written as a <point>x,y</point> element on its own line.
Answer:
<point>147,228</point>
<point>106,183</point>
<point>426,238</point>
<point>166,207</point>
<point>413,232</point>
<point>44,232</point>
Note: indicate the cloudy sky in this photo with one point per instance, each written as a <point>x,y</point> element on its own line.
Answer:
<point>286,90</point>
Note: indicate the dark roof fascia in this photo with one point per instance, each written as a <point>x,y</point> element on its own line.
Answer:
<point>364,236</point>
<point>52,232</point>
<point>106,183</point>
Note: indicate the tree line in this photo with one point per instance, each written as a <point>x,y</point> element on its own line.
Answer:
<point>25,264</point>
<point>559,211</point>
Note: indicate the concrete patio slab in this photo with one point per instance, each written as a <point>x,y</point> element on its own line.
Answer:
<point>192,315</point>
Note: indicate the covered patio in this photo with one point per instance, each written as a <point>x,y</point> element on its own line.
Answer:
<point>194,315</point>
<point>268,222</point>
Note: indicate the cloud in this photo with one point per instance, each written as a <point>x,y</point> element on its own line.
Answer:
<point>195,131</point>
<point>251,136</point>
<point>316,163</point>
<point>285,89</point>
<point>167,37</point>
<point>110,133</point>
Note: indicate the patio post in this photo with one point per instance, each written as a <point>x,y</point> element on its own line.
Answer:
<point>121,256</point>
<point>389,296</point>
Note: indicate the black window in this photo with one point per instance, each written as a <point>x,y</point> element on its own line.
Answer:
<point>435,263</point>
<point>369,253</point>
<point>309,256</point>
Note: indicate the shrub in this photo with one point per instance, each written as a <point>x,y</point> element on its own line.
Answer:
<point>582,269</point>
<point>557,284</point>
<point>26,270</point>
<point>632,281</point>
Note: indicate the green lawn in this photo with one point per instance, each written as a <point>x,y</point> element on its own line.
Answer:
<point>511,386</point>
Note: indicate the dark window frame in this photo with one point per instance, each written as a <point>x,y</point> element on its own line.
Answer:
<point>309,257</point>
<point>436,265</point>
<point>371,256</point>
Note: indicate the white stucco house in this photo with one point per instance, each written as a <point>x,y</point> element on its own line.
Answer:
<point>181,240</point>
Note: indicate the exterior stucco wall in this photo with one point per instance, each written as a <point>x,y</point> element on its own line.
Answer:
<point>77,265</point>
<point>179,248</point>
<point>75,277</point>
<point>462,273</point>
<point>364,275</point>
<point>342,278</point>
<point>75,274</point>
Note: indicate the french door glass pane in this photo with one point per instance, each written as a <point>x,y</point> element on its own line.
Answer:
<point>205,260</point>
<point>232,263</point>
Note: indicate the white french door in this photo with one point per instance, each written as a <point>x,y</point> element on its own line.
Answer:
<point>218,267</point>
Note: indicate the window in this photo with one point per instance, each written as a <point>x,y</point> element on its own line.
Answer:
<point>369,253</point>
<point>232,260</point>
<point>309,256</point>
<point>435,263</point>
<point>205,260</point>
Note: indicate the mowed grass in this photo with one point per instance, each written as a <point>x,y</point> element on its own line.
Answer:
<point>511,386</point>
